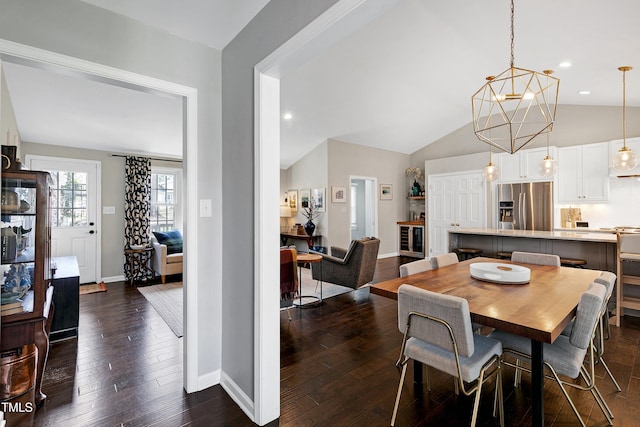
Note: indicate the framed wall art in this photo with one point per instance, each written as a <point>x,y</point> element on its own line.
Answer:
<point>305,196</point>
<point>292,195</point>
<point>338,194</point>
<point>318,196</point>
<point>386,192</point>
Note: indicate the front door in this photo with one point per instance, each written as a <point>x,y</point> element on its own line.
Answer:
<point>75,209</point>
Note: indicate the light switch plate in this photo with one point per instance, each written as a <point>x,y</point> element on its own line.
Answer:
<point>108,210</point>
<point>205,208</point>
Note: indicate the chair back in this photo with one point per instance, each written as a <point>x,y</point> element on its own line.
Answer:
<point>451,309</point>
<point>288,273</point>
<point>535,258</point>
<point>629,243</point>
<point>444,260</point>
<point>608,279</point>
<point>415,267</point>
<point>587,315</point>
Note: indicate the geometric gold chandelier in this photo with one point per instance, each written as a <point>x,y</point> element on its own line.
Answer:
<point>515,106</point>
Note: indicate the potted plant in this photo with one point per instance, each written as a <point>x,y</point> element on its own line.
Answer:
<point>417,174</point>
<point>310,213</point>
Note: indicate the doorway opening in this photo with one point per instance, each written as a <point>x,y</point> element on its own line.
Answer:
<point>363,207</point>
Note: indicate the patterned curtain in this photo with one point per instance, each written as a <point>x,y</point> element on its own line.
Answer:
<point>137,203</point>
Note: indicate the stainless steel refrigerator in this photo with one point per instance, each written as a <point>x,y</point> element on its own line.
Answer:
<point>525,206</point>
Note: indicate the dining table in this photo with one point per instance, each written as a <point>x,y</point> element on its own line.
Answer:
<point>539,309</point>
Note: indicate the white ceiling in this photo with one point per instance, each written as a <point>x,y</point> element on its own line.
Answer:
<point>399,83</point>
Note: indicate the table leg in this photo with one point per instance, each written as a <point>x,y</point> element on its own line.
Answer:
<point>537,383</point>
<point>417,372</point>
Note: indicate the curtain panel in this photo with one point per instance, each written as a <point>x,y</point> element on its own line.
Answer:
<point>137,206</point>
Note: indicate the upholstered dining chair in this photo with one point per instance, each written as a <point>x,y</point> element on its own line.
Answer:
<point>437,332</point>
<point>566,355</point>
<point>535,258</point>
<point>444,260</point>
<point>415,267</point>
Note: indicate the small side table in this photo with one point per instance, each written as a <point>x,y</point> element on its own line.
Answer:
<point>139,261</point>
<point>311,259</point>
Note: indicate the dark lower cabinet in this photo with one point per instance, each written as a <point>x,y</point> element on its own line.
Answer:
<point>66,298</point>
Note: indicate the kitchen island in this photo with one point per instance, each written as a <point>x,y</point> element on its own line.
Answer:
<point>598,249</point>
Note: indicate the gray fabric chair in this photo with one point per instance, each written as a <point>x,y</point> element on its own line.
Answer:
<point>566,356</point>
<point>535,258</point>
<point>415,267</point>
<point>444,260</point>
<point>351,267</point>
<point>437,332</point>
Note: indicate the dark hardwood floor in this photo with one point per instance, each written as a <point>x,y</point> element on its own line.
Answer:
<point>337,369</point>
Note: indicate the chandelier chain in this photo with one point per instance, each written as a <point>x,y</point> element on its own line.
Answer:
<point>624,108</point>
<point>512,42</point>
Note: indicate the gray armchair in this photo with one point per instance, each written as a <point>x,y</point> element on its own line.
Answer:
<point>351,267</point>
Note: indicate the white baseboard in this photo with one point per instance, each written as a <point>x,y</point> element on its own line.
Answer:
<point>208,380</point>
<point>392,254</point>
<point>236,393</point>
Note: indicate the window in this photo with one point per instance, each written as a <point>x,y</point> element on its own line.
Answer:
<point>165,200</point>
<point>69,199</point>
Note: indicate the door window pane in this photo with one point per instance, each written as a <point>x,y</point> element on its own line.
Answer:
<point>69,199</point>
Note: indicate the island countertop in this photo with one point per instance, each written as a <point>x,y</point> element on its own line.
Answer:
<point>584,236</point>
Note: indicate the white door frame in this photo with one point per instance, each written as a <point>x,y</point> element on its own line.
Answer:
<point>294,52</point>
<point>371,201</point>
<point>35,57</point>
<point>97,207</point>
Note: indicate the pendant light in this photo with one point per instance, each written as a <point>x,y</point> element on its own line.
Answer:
<point>549,166</point>
<point>522,103</point>
<point>624,159</point>
<point>491,172</point>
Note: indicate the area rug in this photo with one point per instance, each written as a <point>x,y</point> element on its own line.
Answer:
<point>93,288</point>
<point>309,286</point>
<point>167,300</point>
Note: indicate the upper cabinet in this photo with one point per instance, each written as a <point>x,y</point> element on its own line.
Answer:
<point>615,146</point>
<point>523,165</point>
<point>583,173</point>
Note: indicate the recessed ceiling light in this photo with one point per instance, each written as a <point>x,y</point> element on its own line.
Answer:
<point>585,92</point>
<point>287,116</point>
<point>565,64</point>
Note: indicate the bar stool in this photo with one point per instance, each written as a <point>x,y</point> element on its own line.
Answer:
<point>503,255</point>
<point>467,253</point>
<point>628,251</point>
<point>572,262</point>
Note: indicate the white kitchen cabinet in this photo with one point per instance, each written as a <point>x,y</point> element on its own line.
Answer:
<point>523,165</point>
<point>583,173</point>
<point>455,200</point>
<point>615,146</point>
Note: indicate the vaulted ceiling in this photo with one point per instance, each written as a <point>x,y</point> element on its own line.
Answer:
<point>400,82</point>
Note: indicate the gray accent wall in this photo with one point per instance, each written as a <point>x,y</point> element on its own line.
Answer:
<point>83,31</point>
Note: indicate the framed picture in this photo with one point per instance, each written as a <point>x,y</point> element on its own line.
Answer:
<point>292,195</point>
<point>305,196</point>
<point>338,194</point>
<point>317,194</point>
<point>386,192</point>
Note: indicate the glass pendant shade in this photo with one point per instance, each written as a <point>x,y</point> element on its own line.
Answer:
<point>491,172</point>
<point>624,160</point>
<point>548,166</point>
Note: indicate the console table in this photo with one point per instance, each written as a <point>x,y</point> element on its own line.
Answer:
<point>311,240</point>
<point>66,298</point>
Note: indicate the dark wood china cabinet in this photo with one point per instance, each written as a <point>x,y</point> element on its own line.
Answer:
<point>26,271</point>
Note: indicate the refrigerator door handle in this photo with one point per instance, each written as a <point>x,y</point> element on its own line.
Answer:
<point>523,223</point>
<point>524,210</point>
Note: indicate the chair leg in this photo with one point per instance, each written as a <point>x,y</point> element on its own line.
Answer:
<point>395,407</point>
<point>598,397</point>
<point>517,377</point>
<point>498,402</point>
<point>613,380</point>
<point>566,395</point>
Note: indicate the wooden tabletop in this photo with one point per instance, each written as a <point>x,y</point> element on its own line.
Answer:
<point>539,310</point>
<point>304,258</point>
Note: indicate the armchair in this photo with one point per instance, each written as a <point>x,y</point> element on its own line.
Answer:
<point>166,258</point>
<point>351,267</point>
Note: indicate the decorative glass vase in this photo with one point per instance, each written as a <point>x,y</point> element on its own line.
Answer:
<point>416,188</point>
<point>309,228</point>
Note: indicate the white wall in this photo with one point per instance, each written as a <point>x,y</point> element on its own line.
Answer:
<point>9,134</point>
<point>80,30</point>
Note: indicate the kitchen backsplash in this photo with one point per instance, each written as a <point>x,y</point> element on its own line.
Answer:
<point>622,209</point>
